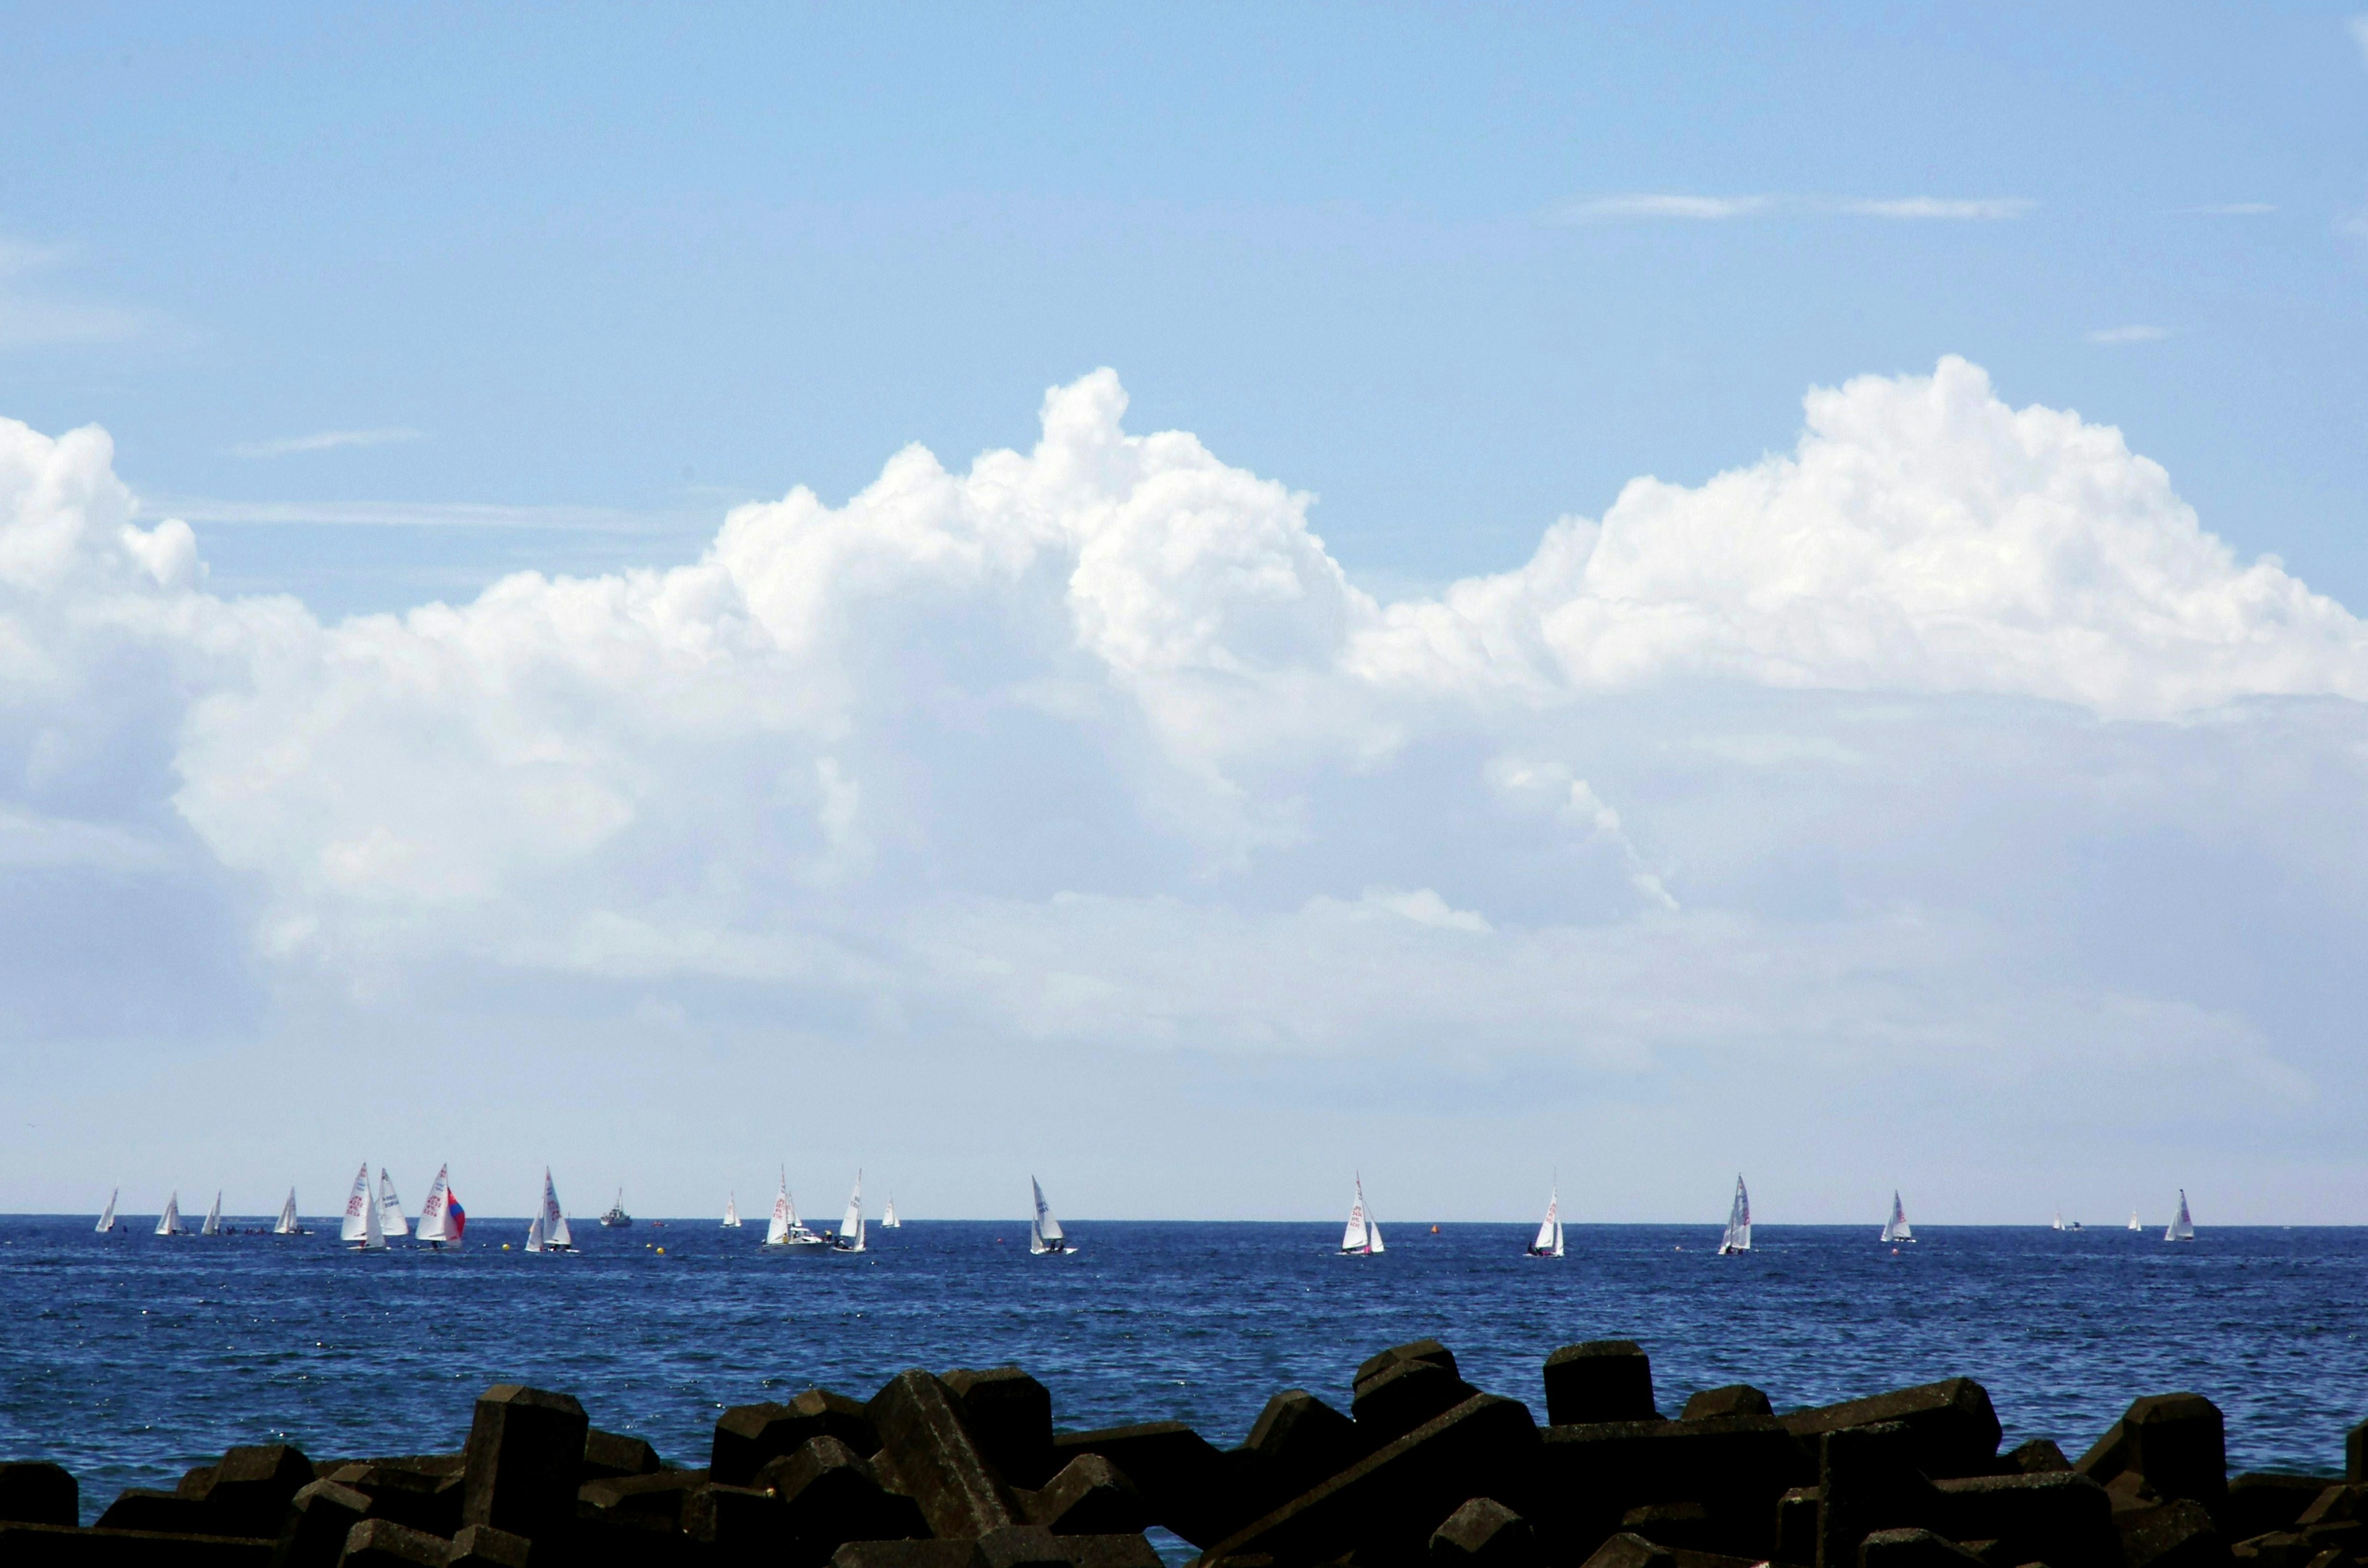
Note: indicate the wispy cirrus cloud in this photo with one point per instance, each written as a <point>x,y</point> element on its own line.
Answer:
<point>1686,207</point>
<point>2359,26</point>
<point>1946,209</point>
<point>30,320</point>
<point>1664,204</point>
<point>2229,209</point>
<point>406,514</point>
<point>322,441</point>
<point>2135,332</point>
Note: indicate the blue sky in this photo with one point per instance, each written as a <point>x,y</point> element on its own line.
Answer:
<point>389,306</point>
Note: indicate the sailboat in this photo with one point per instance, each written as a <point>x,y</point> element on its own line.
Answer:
<point>786,1229</point>
<point>1044,1233</point>
<point>1896,1228</point>
<point>888,1220</point>
<point>1549,1238</point>
<point>616,1219</point>
<point>2059,1220</point>
<point>286,1226</point>
<point>2183,1229</point>
<point>441,1218</point>
<point>2133,1220</point>
<point>550,1233</point>
<point>107,1217</point>
<point>169,1222</point>
<point>1363,1237</point>
<point>850,1224</point>
<point>1737,1239</point>
<point>731,1211</point>
<point>390,1208</point>
<point>213,1227</point>
<point>359,1208</point>
<point>373,1236</point>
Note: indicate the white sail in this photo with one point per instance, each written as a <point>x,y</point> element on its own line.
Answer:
<point>1896,1228</point>
<point>356,1201</point>
<point>1738,1223</point>
<point>287,1223</point>
<point>373,1230</point>
<point>2059,1220</point>
<point>1363,1235</point>
<point>785,1215</point>
<point>389,1206</point>
<point>534,1233</point>
<point>556,1236</point>
<point>1044,1233</point>
<point>888,1220</point>
<point>107,1216</point>
<point>1549,1238</point>
<point>2133,1220</point>
<point>169,1222</point>
<point>2183,1229</point>
<point>731,1211</point>
<point>435,1214</point>
<point>212,1226</point>
<point>850,1224</point>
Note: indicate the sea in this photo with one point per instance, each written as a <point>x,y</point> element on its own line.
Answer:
<point>129,1356</point>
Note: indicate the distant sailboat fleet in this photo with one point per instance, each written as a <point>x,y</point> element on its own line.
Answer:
<point>374,1219</point>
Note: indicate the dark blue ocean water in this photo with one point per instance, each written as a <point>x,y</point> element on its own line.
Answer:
<point>130,1358</point>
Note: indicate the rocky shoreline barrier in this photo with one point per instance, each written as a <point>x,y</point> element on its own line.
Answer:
<point>967,1469</point>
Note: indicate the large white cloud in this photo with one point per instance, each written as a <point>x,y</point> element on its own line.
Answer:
<point>1096,746</point>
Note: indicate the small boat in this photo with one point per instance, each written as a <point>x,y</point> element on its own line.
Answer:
<point>888,1220</point>
<point>1549,1238</point>
<point>616,1219</point>
<point>2182,1228</point>
<point>549,1232</point>
<point>212,1226</point>
<point>373,1236</point>
<point>169,1222</point>
<point>1896,1228</point>
<point>441,1218</point>
<point>1363,1237</point>
<point>850,1236</point>
<point>1737,1239</point>
<point>731,1211</point>
<point>286,1226</point>
<point>107,1216</point>
<point>2133,1220</point>
<point>1044,1233</point>
<point>2059,1220</point>
<point>359,1208</point>
<point>786,1229</point>
<point>389,1206</point>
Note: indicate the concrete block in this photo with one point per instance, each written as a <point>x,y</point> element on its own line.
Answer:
<point>313,1533</point>
<point>2355,1453</point>
<point>830,1496</point>
<point>1734,1398</point>
<point>1091,1497</point>
<point>1736,1465</point>
<point>1179,1473</point>
<point>1952,1427</point>
<point>749,1437</point>
<point>1303,1440</point>
<point>741,1523</point>
<point>2171,1535</point>
<point>611,1454</point>
<point>1625,1550</point>
<point>157,1512</point>
<point>1414,1350</point>
<point>938,1461</point>
<point>1796,1527</point>
<point>2274,1549</point>
<point>2057,1516</point>
<point>657,1498</point>
<point>1010,1414</point>
<point>418,1498</point>
<point>382,1543</point>
<point>483,1546</point>
<point>2344,1502</point>
<point>1687,1527</point>
<point>1386,1506</point>
<point>1484,1533</point>
<point>954,1554</point>
<point>1109,1551</point>
<point>1403,1396</point>
<point>525,1446</point>
<point>2176,1441</point>
<point>1867,1482</point>
<point>36,1494</point>
<point>2258,1503</point>
<point>26,1545</point>
<point>1020,1546</point>
<point>1603,1379</point>
<point>1912,1549</point>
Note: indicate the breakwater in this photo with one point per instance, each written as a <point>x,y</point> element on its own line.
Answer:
<point>968,1469</point>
